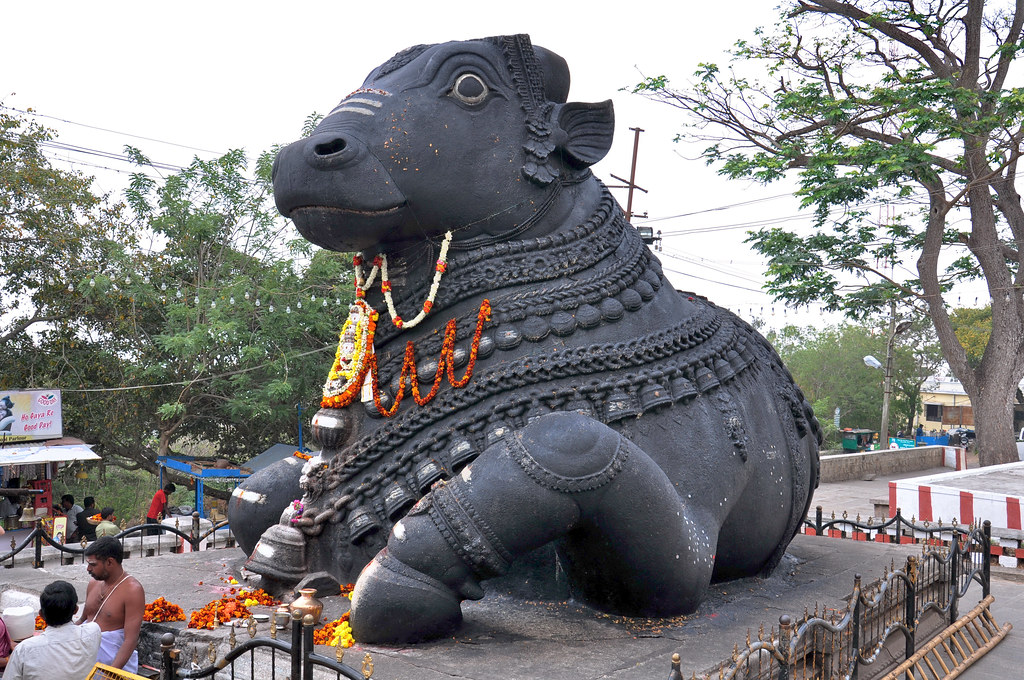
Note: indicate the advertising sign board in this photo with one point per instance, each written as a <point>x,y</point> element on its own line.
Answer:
<point>30,414</point>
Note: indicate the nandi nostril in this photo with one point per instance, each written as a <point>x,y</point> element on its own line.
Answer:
<point>330,148</point>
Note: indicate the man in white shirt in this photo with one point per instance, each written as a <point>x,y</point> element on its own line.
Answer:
<point>63,650</point>
<point>71,509</point>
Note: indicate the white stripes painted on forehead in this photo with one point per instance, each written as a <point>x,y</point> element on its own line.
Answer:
<point>354,104</point>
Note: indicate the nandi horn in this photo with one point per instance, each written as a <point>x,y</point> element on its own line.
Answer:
<point>564,476</point>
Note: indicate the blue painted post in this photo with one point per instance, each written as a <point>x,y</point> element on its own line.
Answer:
<point>199,496</point>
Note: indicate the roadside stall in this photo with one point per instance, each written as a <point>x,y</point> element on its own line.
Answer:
<point>26,478</point>
<point>202,472</point>
<point>32,448</point>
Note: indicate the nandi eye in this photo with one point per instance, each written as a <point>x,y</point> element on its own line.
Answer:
<point>469,88</point>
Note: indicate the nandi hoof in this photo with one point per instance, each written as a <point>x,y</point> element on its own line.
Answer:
<point>394,603</point>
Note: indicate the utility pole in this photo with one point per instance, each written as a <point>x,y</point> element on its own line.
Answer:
<point>646,233</point>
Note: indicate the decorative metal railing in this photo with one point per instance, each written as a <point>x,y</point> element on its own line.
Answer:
<point>262,657</point>
<point>833,643</point>
<point>38,537</point>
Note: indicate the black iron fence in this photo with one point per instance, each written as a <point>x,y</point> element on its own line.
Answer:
<point>843,643</point>
<point>262,657</point>
<point>38,537</point>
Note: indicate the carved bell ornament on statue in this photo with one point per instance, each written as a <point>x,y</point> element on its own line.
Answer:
<point>653,395</point>
<point>280,553</point>
<point>620,405</point>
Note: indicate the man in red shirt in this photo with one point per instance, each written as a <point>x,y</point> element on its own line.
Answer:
<point>158,508</point>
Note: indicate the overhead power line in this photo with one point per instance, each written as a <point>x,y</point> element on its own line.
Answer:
<point>115,132</point>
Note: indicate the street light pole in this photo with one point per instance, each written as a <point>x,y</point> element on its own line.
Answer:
<point>894,330</point>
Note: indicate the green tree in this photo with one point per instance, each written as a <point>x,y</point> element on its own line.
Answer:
<point>191,314</point>
<point>916,358</point>
<point>828,365</point>
<point>227,321</point>
<point>973,328</point>
<point>52,226</point>
<point>53,230</point>
<point>865,101</point>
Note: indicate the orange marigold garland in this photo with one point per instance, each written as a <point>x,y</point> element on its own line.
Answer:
<point>218,611</point>
<point>160,610</point>
<point>355,358</point>
<point>446,363</point>
<point>40,624</point>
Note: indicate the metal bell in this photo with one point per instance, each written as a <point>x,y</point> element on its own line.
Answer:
<point>460,454</point>
<point>428,473</point>
<point>682,388</point>
<point>280,554</point>
<point>706,379</point>
<point>723,369</point>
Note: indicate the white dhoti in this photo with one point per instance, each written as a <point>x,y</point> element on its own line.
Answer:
<point>110,645</point>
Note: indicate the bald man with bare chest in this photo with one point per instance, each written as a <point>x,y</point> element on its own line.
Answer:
<point>116,601</point>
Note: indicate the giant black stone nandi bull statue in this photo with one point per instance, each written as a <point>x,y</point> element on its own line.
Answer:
<point>655,440</point>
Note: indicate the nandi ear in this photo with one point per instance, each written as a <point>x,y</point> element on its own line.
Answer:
<point>588,130</point>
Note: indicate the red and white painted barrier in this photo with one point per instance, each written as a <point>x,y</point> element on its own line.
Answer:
<point>954,457</point>
<point>936,497</point>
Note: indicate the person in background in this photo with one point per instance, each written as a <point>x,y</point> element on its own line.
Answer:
<point>63,650</point>
<point>67,504</point>
<point>158,507</point>
<point>106,527</point>
<point>86,529</point>
<point>116,601</point>
<point>6,643</point>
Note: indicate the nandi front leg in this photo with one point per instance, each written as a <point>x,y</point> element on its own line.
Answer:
<point>625,539</point>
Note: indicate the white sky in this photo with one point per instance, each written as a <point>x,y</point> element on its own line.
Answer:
<point>217,75</point>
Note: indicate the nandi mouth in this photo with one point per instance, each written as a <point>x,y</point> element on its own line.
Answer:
<point>346,229</point>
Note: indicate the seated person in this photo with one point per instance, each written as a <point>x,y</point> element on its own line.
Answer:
<point>6,644</point>
<point>63,650</point>
<point>87,529</point>
<point>116,601</point>
<point>106,527</point>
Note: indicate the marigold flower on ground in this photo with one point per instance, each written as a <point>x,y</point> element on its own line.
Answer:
<point>160,610</point>
<point>335,633</point>
<point>230,606</point>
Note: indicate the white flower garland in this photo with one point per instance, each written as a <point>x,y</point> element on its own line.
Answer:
<point>380,264</point>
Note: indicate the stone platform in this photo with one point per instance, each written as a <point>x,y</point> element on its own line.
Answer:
<point>506,638</point>
<point>510,638</point>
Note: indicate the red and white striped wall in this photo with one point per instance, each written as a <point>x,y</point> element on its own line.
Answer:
<point>933,498</point>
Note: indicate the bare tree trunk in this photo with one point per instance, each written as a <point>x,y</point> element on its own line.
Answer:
<point>993,421</point>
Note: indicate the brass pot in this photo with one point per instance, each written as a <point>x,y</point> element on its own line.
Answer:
<point>306,603</point>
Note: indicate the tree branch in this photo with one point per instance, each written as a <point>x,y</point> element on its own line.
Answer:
<point>845,9</point>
